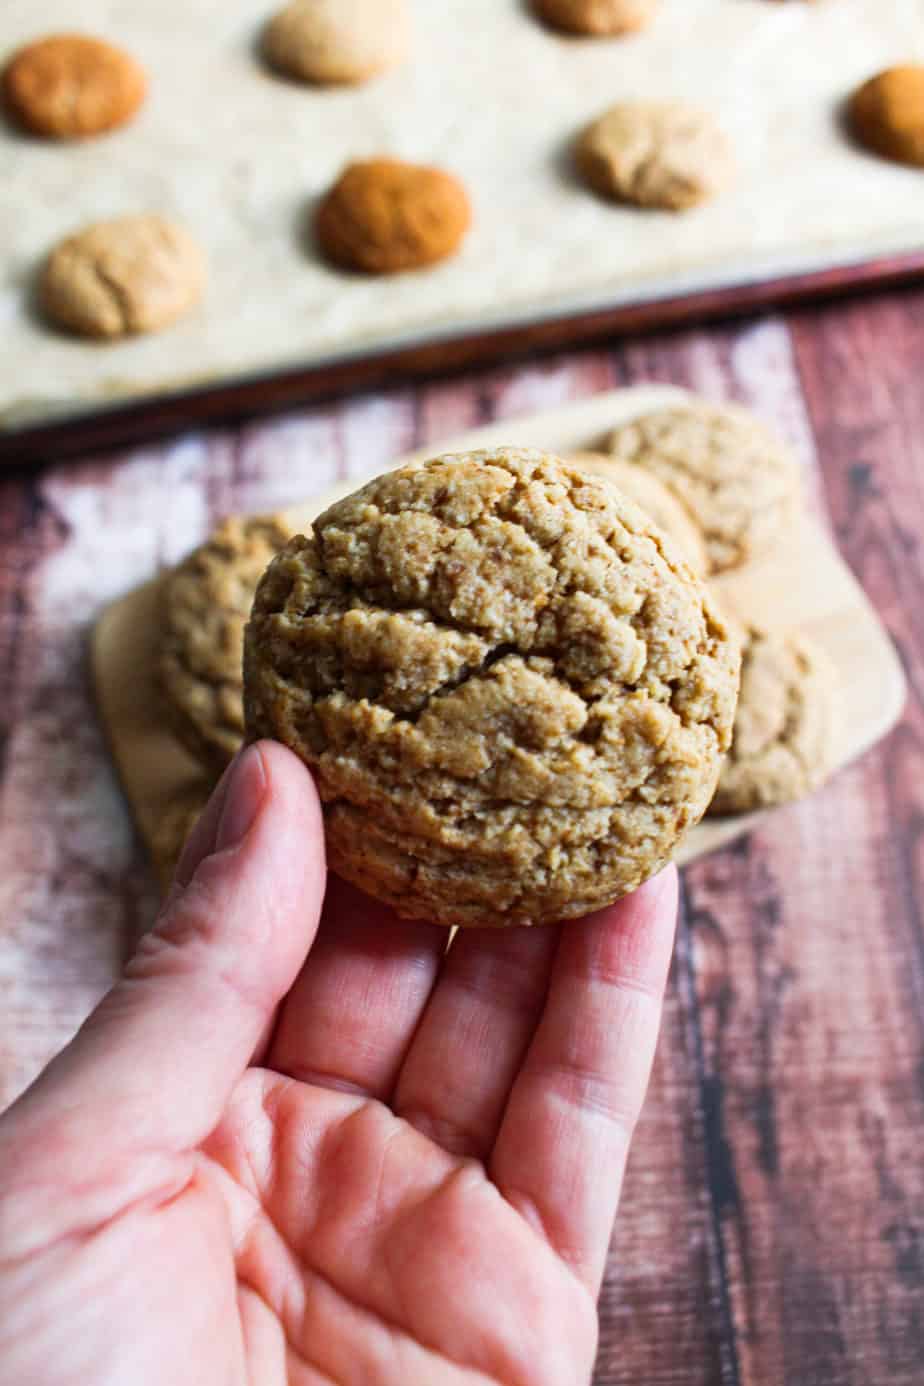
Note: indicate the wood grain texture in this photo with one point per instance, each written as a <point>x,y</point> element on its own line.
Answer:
<point>772,1228</point>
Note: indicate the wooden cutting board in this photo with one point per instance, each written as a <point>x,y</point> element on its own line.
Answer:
<point>803,583</point>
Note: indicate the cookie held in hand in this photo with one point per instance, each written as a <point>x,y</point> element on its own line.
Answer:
<point>513,697</point>
<point>384,216</point>
<point>118,278</point>
<point>69,86</point>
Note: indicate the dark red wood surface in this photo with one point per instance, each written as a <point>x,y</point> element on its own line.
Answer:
<point>772,1228</point>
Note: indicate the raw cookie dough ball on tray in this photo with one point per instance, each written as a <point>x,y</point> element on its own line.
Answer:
<point>122,277</point>
<point>655,154</point>
<point>384,216</point>
<point>597,18</point>
<point>887,114</point>
<point>338,41</point>
<point>70,86</point>
<point>515,698</point>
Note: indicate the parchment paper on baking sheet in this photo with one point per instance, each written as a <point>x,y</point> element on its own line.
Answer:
<point>240,156</point>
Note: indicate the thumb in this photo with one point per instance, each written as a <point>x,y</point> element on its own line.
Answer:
<point>154,1065</point>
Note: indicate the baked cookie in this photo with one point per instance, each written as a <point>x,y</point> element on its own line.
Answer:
<point>652,496</point>
<point>887,114</point>
<point>69,86</point>
<point>173,830</point>
<point>330,41</point>
<point>735,479</point>
<point>383,216</point>
<point>655,154</point>
<point>599,18</point>
<point>205,604</point>
<point>784,726</point>
<point>116,278</point>
<point>513,698</point>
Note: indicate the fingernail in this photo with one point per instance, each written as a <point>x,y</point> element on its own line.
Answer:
<point>244,795</point>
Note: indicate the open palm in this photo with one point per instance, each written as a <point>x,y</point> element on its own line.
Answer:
<point>418,1182</point>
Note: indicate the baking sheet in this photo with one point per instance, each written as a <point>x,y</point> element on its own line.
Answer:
<point>804,583</point>
<point>240,156</point>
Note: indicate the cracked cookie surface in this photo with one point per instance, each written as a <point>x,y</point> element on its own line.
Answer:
<point>117,278</point>
<point>658,503</point>
<point>655,154</point>
<point>205,604</point>
<point>513,695</point>
<point>785,724</point>
<point>736,480</point>
<point>70,86</point>
<point>598,18</point>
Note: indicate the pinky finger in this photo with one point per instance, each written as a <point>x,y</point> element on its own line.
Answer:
<point>561,1150</point>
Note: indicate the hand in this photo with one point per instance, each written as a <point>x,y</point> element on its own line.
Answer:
<point>284,1152</point>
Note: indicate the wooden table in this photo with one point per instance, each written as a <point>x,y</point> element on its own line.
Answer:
<point>773,1221</point>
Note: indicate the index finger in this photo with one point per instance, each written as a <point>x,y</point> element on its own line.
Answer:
<point>561,1150</point>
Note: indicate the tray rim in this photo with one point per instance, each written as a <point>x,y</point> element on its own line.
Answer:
<point>125,421</point>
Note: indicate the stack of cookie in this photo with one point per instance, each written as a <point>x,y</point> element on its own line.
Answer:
<point>725,490</point>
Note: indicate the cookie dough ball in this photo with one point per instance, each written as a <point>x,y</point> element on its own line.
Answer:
<point>205,604</point>
<point>116,278</point>
<point>331,41</point>
<point>887,114</point>
<point>384,216</point>
<point>655,154</point>
<point>652,496</point>
<point>784,727</point>
<point>513,701</point>
<point>69,86</point>
<point>736,480</point>
<point>600,18</point>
